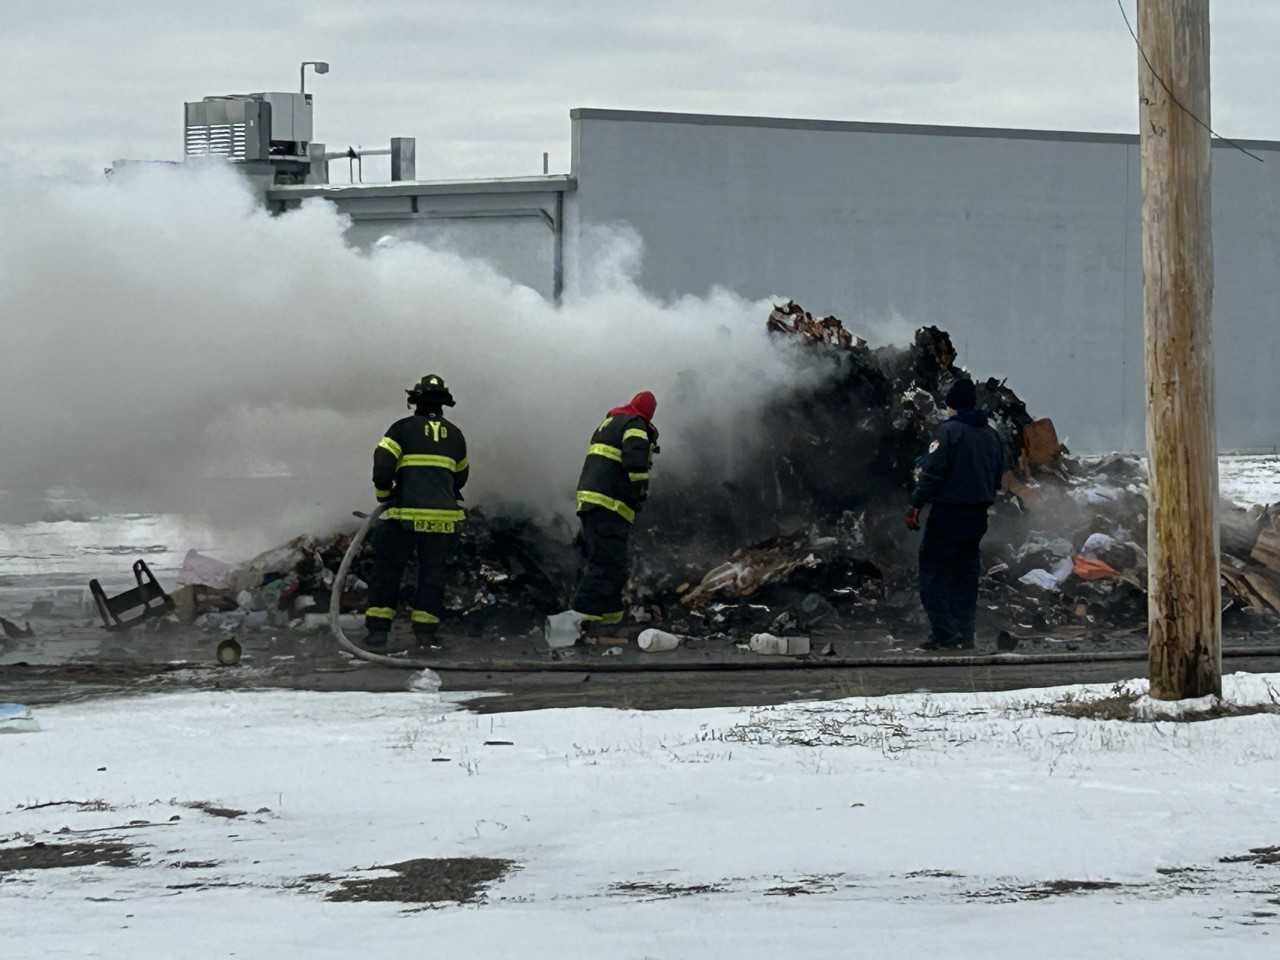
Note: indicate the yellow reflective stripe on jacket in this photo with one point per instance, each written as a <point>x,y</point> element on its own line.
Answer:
<point>605,618</point>
<point>606,451</point>
<point>636,432</point>
<point>381,613</point>
<point>600,500</point>
<point>637,477</point>
<point>381,494</point>
<point>421,616</point>
<point>428,460</point>
<point>389,445</point>
<point>461,465</point>
<point>424,513</point>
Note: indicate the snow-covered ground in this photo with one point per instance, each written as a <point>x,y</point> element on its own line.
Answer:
<point>925,825</point>
<point>1250,479</point>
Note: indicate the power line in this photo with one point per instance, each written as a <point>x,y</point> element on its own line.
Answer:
<point>1181,106</point>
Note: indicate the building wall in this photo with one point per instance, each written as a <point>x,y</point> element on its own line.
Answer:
<point>513,225</point>
<point>1025,246</point>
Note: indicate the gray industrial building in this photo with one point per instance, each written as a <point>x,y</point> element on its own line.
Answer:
<point>1025,244</point>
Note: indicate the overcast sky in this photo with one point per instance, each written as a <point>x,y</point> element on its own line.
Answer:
<point>486,85</point>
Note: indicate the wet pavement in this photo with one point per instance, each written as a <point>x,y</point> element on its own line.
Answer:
<point>74,661</point>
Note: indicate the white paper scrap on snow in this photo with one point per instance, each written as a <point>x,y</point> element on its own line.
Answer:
<point>17,718</point>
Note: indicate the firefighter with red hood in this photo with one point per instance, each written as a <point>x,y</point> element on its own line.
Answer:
<point>613,485</point>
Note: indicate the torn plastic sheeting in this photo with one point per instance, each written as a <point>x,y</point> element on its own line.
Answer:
<point>1097,494</point>
<point>744,576</point>
<point>199,570</point>
<point>1056,547</point>
<point>1088,568</point>
<point>1039,578</point>
<point>1097,544</point>
<point>1048,579</point>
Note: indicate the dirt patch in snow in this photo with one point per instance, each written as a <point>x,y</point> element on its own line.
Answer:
<point>1047,889</point>
<point>213,810</point>
<point>1122,708</point>
<point>648,890</point>
<point>454,879</point>
<point>47,856</point>
<point>1258,856</point>
<point>804,886</point>
<point>205,885</point>
<point>80,805</point>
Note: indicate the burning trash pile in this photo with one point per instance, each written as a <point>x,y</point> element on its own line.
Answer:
<point>809,534</point>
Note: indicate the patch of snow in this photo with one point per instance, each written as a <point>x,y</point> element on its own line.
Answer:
<point>17,718</point>
<point>1249,480</point>
<point>1148,708</point>
<point>952,825</point>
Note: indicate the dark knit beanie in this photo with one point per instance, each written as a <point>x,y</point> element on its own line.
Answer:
<point>963,395</point>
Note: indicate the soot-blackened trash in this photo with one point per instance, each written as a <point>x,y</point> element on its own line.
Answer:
<point>808,536</point>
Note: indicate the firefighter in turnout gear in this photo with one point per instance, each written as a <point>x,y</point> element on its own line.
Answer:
<point>613,485</point>
<point>419,468</point>
<point>961,476</point>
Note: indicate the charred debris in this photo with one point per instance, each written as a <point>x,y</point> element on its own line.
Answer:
<point>809,536</point>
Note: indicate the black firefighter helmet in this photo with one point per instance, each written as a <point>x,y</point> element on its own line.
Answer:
<point>430,389</point>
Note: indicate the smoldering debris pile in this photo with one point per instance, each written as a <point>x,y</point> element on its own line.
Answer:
<point>507,575</point>
<point>809,535</point>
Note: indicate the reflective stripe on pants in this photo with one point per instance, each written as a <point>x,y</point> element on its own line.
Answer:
<point>604,575</point>
<point>591,498</point>
<point>393,545</point>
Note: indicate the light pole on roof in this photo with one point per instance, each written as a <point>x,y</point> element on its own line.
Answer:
<point>321,66</point>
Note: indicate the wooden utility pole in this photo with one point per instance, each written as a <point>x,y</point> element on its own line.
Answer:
<point>1185,613</point>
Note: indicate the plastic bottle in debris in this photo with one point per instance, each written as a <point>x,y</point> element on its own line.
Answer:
<point>657,641</point>
<point>770,644</point>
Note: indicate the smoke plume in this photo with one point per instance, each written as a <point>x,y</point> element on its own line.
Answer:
<point>170,345</point>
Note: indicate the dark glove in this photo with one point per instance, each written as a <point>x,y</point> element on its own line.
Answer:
<point>640,491</point>
<point>913,518</point>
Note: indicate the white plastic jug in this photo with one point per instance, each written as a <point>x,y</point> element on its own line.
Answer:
<point>657,641</point>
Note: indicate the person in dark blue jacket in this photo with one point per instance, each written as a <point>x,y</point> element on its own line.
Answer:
<point>960,478</point>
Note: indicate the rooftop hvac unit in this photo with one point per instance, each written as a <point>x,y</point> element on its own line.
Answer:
<point>247,127</point>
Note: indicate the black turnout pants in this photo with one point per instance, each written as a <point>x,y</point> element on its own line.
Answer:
<point>950,563</point>
<point>604,538</point>
<point>394,543</point>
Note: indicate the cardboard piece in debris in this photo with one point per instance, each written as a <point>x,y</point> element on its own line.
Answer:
<point>199,570</point>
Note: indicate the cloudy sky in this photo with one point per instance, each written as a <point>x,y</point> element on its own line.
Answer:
<point>486,85</point>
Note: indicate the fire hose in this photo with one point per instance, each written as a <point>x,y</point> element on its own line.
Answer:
<point>612,665</point>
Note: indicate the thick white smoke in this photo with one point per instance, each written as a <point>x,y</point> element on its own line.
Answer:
<point>166,341</point>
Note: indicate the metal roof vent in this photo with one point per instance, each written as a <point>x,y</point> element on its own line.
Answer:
<point>248,127</point>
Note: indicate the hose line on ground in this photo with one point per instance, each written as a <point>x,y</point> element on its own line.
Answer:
<point>615,665</point>
<point>335,603</point>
